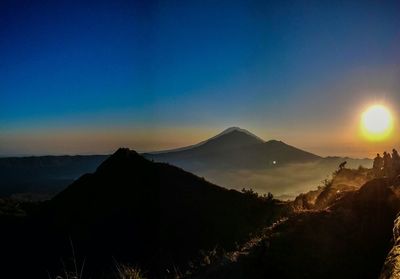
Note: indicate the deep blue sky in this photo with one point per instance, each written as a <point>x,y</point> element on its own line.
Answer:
<point>88,76</point>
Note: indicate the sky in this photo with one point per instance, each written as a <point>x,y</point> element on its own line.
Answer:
<point>85,77</point>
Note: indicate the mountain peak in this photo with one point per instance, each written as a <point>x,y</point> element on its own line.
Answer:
<point>122,158</point>
<point>237,129</point>
<point>250,137</point>
<point>233,128</point>
<point>124,153</point>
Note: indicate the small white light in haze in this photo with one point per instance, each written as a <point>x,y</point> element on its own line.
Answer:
<point>274,162</point>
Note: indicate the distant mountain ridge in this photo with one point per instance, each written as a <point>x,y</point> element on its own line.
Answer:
<point>233,148</point>
<point>43,174</point>
<point>234,158</point>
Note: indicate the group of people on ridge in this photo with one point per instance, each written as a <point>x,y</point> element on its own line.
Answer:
<point>387,165</point>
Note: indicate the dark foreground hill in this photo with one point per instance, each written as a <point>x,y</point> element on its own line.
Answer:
<point>158,217</point>
<point>130,210</point>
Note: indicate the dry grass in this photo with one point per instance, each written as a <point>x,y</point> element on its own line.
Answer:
<point>129,272</point>
<point>124,271</point>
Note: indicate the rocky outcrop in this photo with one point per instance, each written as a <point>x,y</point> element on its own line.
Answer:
<point>391,268</point>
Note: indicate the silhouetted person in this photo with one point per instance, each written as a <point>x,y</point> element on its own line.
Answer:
<point>387,164</point>
<point>342,165</point>
<point>395,163</point>
<point>378,165</point>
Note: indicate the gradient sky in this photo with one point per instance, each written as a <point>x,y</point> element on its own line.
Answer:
<point>90,76</point>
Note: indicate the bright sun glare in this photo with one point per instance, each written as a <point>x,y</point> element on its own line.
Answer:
<point>377,123</point>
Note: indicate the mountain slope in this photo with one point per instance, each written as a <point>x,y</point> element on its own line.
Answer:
<point>350,238</point>
<point>152,214</point>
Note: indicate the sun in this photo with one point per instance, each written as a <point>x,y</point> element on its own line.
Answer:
<point>377,123</point>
